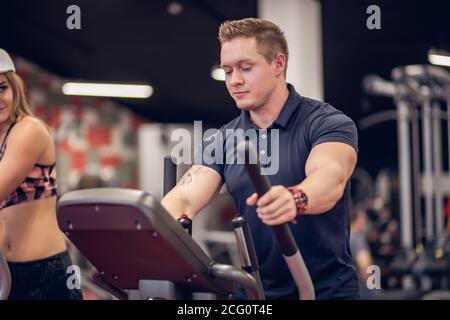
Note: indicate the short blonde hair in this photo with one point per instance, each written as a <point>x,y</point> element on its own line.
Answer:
<point>269,37</point>
<point>21,108</point>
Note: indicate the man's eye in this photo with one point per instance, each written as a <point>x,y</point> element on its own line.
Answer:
<point>246,69</point>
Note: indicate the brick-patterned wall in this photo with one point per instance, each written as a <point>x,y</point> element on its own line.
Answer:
<point>94,136</point>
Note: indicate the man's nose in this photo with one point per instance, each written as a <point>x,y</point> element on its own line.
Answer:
<point>236,79</point>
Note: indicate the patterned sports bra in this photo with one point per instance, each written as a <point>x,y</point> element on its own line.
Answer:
<point>40,183</point>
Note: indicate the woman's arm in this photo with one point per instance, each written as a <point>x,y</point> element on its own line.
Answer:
<point>26,143</point>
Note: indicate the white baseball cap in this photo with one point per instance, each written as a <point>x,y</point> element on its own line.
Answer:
<point>6,63</point>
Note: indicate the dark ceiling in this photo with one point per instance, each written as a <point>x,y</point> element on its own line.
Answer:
<point>132,41</point>
<point>138,41</point>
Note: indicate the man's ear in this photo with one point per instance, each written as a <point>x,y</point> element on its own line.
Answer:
<point>279,63</point>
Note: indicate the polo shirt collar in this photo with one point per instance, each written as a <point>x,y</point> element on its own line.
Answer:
<point>285,115</point>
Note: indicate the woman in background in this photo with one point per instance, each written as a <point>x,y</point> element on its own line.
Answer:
<point>30,238</point>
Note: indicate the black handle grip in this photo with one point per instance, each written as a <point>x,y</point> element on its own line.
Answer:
<point>261,184</point>
<point>186,223</point>
<point>170,174</point>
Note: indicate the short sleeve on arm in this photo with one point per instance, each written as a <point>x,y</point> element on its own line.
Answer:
<point>331,125</point>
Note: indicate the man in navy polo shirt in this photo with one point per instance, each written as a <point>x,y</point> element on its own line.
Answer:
<point>313,151</point>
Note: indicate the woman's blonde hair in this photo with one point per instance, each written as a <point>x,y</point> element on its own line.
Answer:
<point>21,108</point>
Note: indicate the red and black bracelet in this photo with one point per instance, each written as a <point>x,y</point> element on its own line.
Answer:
<point>300,198</point>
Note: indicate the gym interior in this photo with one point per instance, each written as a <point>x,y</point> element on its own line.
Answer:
<point>384,64</point>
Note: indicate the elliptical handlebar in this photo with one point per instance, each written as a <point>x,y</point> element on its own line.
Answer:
<point>282,232</point>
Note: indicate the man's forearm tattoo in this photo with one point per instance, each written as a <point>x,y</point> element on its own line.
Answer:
<point>189,175</point>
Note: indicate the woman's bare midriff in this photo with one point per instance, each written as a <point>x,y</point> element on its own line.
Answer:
<point>29,231</point>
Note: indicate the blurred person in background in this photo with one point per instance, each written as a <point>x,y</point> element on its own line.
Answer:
<point>359,247</point>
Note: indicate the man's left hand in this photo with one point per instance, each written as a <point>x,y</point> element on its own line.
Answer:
<point>276,206</point>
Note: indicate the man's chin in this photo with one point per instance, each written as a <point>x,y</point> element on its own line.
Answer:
<point>245,106</point>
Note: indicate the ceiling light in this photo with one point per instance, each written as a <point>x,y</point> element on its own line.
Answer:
<point>107,90</point>
<point>218,73</point>
<point>175,8</point>
<point>439,58</point>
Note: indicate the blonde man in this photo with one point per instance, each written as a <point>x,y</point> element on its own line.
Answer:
<point>317,152</point>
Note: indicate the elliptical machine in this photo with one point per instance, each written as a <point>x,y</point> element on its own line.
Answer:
<point>140,252</point>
